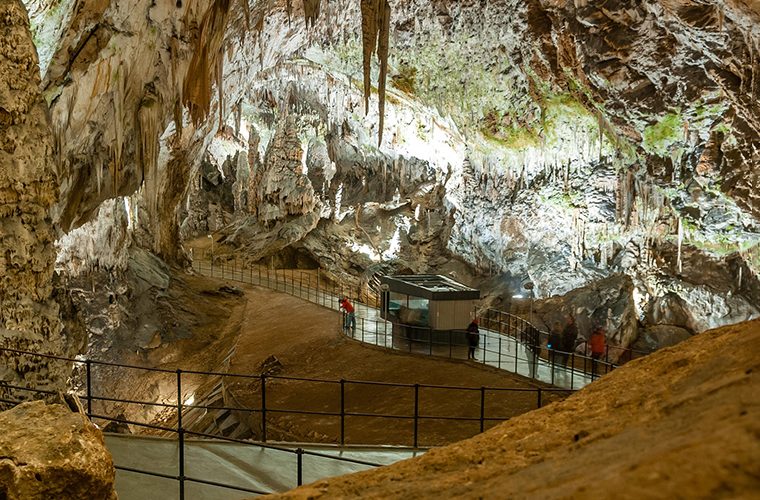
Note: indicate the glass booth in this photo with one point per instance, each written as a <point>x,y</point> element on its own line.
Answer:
<point>426,305</point>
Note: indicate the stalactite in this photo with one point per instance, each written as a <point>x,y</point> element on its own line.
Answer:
<point>176,84</point>
<point>247,13</point>
<point>369,39</point>
<point>375,34</point>
<point>117,102</point>
<point>220,87</point>
<point>149,125</point>
<point>382,54</point>
<point>197,85</point>
<point>311,11</point>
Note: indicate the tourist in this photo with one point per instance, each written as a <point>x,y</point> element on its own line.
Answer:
<point>554,344</point>
<point>349,319</point>
<point>569,335</point>
<point>473,338</point>
<point>598,345</point>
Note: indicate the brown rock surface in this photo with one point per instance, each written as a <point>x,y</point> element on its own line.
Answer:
<point>680,423</point>
<point>46,451</point>
<point>28,189</point>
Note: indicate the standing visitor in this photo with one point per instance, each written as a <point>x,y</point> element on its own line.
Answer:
<point>349,318</point>
<point>473,338</point>
<point>554,344</point>
<point>598,345</point>
<point>569,335</point>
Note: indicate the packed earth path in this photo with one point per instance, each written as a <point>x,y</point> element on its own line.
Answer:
<point>306,342</point>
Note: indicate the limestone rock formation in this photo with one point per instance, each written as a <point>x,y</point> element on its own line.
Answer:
<point>554,142</point>
<point>28,190</point>
<point>46,451</point>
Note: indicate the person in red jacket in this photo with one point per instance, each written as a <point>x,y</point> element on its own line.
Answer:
<point>349,320</point>
<point>598,345</point>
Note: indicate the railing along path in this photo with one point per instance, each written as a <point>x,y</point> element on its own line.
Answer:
<point>507,342</point>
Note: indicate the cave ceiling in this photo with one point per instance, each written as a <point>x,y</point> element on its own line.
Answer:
<point>138,90</point>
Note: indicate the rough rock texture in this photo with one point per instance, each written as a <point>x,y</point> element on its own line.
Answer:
<point>678,423</point>
<point>46,451</point>
<point>555,142</point>
<point>28,189</point>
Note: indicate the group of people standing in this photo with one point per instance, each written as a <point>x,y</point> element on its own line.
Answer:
<point>562,342</point>
<point>564,339</point>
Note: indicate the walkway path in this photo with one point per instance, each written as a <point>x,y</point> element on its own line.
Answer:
<point>495,349</point>
<point>246,466</point>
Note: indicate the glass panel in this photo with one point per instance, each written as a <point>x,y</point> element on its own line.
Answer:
<point>418,311</point>
<point>396,303</point>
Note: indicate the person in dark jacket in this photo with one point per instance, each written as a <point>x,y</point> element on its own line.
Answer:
<point>569,336</point>
<point>554,344</point>
<point>473,338</point>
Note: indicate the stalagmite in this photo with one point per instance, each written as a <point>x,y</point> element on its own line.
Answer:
<point>680,241</point>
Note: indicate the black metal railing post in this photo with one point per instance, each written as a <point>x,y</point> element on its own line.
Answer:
<point>181,437</point>
<point>264,407</point>
<point>482,408</point>
<point>572,369</point>
<point>342,411</point>
<point>88,369</point>
<point>499,363</point>
<point>451,344</point>
<point>416,412</point>
<point>538,405</point>
<point>299,454</point>
<point>553,354</point>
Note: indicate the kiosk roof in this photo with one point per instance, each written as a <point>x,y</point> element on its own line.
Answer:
<point>430,286</point>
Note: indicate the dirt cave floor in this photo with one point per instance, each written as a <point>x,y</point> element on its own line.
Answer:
<point>306,340</point>
<point>683,422</point>
<point>234,328</point>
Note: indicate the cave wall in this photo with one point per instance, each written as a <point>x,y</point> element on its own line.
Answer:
<point>29,313</point>
<point>554,142</point>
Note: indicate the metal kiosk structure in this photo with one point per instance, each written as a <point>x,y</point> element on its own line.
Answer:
<point>428,307</point>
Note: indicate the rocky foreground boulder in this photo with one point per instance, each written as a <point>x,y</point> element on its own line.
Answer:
<point>683,422</point>
<point>47,451</point>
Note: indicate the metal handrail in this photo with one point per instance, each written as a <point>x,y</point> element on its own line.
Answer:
<point>416,417</point>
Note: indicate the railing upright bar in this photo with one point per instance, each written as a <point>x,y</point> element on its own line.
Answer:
<point>88,368</point>
<point>299,454</point>
<point>499,362</point>
<point>264,407</point>
<point>482,408</point>
<point>181,437</point>
<point>342,411</point>
<point>416,413</point>
<point>572,369</point>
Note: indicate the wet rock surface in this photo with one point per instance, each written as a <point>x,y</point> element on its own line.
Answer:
<point>46,451</point>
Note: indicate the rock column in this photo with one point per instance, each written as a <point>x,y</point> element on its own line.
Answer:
<point>29,316</point>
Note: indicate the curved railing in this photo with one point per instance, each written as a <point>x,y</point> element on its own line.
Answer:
<point>481,405</point>
<point>507,341</point>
